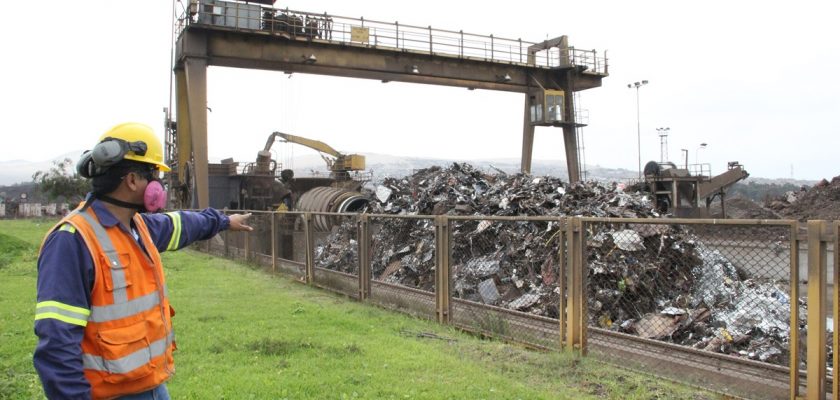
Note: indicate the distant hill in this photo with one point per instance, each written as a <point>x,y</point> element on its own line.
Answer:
<point>21,171</point>
<point>383,165</point>
<point>763,190</point>
<point>13,193</point>
<point>780,181</point>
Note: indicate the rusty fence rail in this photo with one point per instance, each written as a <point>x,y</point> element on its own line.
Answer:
<point>381,34</point>
<point>715,303</point>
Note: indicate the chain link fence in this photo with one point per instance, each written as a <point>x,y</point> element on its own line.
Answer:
<point>403,256</point>
<point>232,244</point>
<point>505,277</point>
<point>724,290</point>
<point>336,253</point>
<point>258,243</point>
<point>290,245</point>
<point>720,304</point>
<point>276,243</point>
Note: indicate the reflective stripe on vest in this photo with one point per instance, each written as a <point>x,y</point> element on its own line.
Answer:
<point>122,310</point>
<point>130,362</point>
<point>117,269</point>
<point>175,239</point>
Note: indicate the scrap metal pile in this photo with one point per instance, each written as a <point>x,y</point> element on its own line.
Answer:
<point>464,190</point>
<point>503,263</point>
<point>655,281</point>
<point>659,282</point>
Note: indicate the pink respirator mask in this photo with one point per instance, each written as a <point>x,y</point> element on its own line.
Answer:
<point>154,198</point>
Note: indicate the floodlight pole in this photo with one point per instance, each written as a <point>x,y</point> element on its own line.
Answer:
<point>637,85</point>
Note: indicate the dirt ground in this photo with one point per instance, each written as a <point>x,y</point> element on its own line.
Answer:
<point>742,208</point>
<point>822,201</point>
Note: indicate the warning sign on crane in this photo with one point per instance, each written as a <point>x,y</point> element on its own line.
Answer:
<point>359,34</point>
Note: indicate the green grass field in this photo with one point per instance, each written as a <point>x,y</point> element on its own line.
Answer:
<point>245,334</point>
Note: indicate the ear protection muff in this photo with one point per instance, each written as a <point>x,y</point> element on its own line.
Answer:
<point>105,154</point>
<point>85,167</point>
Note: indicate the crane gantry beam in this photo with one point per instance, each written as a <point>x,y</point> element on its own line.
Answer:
<point>200,45</point>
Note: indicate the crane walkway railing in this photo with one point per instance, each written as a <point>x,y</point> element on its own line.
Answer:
<point>328,28</point>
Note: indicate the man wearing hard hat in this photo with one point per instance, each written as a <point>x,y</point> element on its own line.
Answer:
<point>102,316</point>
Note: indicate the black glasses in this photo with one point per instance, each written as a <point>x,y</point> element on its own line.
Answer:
<point>147,174</point>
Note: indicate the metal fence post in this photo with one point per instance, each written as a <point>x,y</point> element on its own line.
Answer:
<point>576,308</point>
<point>310,247</point>
<point>816,311</point>
<point>273,243</point>
<point>561,280</point>
<point>835,385</point>
<point>363,241</point>
<point>227,243</point>
<point>583,282</point>
<point>442,272</point>
<point>571,290</point>
<point>794,310</point>
<point>247,246</point>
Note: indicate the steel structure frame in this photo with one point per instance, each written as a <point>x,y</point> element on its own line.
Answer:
<point>449,60</point>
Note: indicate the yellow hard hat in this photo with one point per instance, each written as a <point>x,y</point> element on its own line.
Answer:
<point>136,132</point>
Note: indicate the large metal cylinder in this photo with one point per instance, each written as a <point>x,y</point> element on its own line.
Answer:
<point>329,199</point>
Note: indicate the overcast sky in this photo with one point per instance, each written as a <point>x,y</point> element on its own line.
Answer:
<point>756,80</point>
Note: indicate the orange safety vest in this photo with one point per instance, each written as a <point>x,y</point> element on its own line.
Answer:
<point>128,342</point>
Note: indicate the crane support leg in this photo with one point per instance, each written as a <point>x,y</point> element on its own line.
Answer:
<point>527,139</point>
<point>570,131</point>
<point>183,140</point>
<point>195,70</point>
<point>570,142</point>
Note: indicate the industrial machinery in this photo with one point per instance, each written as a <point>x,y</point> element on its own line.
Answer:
<point>679,191</point>
<point>340,165</point>
<point>265,185</point>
